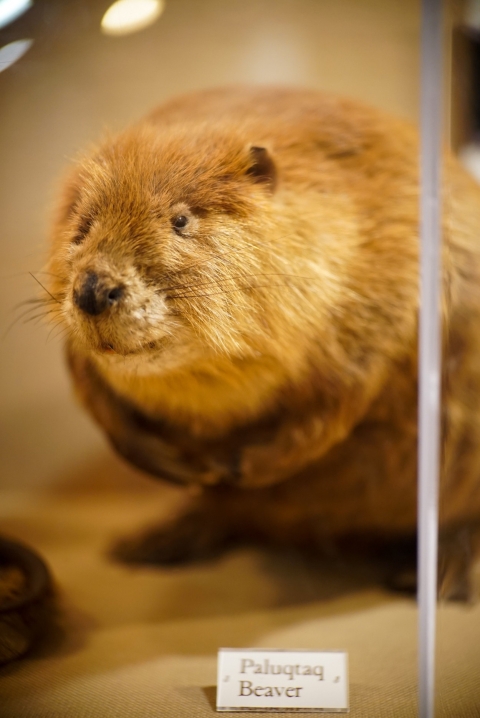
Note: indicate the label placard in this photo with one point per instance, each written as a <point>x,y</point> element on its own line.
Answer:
<point>257,679</point>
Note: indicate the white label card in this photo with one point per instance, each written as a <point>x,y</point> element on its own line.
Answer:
<point>256,679</point>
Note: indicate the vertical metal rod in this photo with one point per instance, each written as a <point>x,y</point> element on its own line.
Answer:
<point>429,345</point>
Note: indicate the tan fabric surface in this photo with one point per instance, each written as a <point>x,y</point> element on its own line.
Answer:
<point>143,642</point>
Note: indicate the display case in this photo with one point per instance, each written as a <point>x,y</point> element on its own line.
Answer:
<point>125,638</point>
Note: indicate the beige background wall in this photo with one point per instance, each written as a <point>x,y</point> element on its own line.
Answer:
<point>75,82</point>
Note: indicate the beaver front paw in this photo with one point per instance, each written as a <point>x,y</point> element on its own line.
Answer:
<point>193,536</point>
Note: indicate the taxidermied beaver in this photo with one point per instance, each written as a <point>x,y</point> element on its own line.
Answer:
<point>238,277</point>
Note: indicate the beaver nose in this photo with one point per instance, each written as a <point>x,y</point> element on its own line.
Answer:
<point>95,294</point>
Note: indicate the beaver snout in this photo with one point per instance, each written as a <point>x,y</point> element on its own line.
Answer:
<point>94,294</point>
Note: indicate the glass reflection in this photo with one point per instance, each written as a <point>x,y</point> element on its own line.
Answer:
<point>12,52</point>
<point>11,9</point>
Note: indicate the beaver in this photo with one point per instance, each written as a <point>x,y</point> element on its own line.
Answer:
<point>237,275</point>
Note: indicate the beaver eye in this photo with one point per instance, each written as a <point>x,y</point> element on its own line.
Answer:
<point>82,230</point>
<point>180,221</point>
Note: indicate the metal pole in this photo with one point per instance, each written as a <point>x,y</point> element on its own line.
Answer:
<point>429,345</point>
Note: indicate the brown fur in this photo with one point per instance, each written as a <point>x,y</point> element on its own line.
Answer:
<point>271,344</point>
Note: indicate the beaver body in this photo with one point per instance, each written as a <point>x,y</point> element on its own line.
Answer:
<point>238,276</point>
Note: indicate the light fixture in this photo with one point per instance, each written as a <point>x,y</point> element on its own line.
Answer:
<point>11,9</point>
<point>126,16</point>
<point>13,52</point>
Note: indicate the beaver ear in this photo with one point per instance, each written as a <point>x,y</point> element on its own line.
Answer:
<point>262,168</point>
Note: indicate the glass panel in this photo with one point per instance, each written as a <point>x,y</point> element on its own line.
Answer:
<point>320,319</point>
<point>458,658</point>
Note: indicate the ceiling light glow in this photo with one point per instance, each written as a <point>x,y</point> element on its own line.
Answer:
<point>11,9</point>
<point>126,16</point>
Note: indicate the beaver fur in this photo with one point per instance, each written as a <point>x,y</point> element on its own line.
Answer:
<point>238,277</point>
